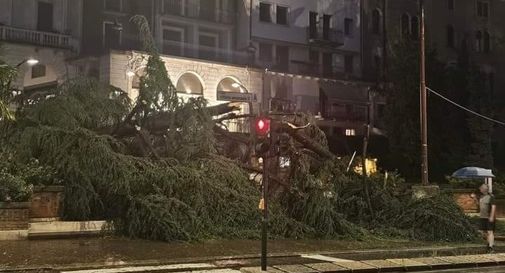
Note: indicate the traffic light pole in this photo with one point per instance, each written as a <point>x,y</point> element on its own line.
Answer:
<point>264,223</point>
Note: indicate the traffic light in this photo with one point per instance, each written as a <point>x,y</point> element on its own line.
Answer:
<point>262,130</point>
<point>262,127</point>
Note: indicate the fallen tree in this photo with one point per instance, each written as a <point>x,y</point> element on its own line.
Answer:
<point>166,169</point>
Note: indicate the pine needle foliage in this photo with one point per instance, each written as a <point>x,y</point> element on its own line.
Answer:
<point>189,192</point>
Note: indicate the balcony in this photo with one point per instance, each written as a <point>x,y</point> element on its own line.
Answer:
<point>319,70</point>
<point>34,37</point>
<point>356,116</point>
<point>324,37</point>
<point>204,52</point>
<point>199,11</point>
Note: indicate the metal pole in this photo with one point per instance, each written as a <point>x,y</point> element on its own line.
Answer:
<point>384,43</point>
<point>264,223</point>
<point>423,100</point>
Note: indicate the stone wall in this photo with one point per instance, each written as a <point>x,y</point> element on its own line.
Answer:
<point>14,216</point>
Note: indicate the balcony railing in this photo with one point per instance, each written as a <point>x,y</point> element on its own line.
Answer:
<point>198,11</point>
<point>340,116</point>
<point>319,70</point>
<point>204,52</point>
<point>331,37</point>
<point>35,37</point>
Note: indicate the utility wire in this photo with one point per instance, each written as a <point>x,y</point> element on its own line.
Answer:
<point>466,109</point>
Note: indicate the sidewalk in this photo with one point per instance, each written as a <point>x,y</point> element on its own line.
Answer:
<point>76,254</point>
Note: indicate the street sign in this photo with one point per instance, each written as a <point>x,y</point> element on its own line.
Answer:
<point>235,96</point>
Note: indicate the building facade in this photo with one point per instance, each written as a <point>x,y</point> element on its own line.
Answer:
<point>48,31</point>
<point>475,28</point>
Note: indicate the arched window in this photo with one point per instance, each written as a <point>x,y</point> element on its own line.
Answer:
<point>487,42</point>
<point>230,84</point>
<point>376,21</point>
<point>450,36</point>
<point>189,83</point>
<point>478,41</point>
<point>405,24</point>
<point>414,26</point>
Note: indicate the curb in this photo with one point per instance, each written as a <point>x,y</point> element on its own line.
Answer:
<point>236,262</point>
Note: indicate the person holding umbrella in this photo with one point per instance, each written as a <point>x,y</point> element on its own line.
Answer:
<point>487,205</point>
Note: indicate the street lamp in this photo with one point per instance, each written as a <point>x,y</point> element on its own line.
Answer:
<point>30,61</point>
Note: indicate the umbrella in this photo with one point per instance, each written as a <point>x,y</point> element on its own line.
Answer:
<point>473,172</point>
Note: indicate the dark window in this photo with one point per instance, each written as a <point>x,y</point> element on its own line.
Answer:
<point>172,7</point>
<point>326,26</point>
<point>265,15</point>
<point>207,40</point>
<point>478,41</point>
<point>282,57</point>
<point>265,53</point>
<point>491,82</point>
<point>377,62</point>
<point>45,17</point>
<point>172,42</point>
<point>414,27</point>
<point>172,35</point>
<point>313,25</point>
<point>487,42</point>
<point>482,8</point>
<point>328,64</point>
<point>282,15</point>
<point>450,36</point>
<point>405,25</point>
<point>314,57</point>
<point>348,63</point>
<point>208,46</point>
<point>38,71</point>
<point>112,36</point>
<point>348,26</point>
<point>376,21</point>
<point>450,4</point>
<point>113,5</point>
<point>208,9</point>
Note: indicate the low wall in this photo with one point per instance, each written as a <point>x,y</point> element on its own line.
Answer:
<point>14,216</point>
<point>465,201</point>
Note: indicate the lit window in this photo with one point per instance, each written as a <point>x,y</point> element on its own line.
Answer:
<point>282,15</point>
<point>350,132</point>
<point>265,12</point>
<point>38,71</point>
<point>189,83</point>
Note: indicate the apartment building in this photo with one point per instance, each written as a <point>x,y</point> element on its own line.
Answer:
<point>38,37</point>
<point>310,51</point>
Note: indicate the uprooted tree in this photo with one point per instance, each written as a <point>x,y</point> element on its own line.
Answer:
<point>168,169</point>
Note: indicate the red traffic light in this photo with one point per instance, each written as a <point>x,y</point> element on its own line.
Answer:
<point>262,126</point>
